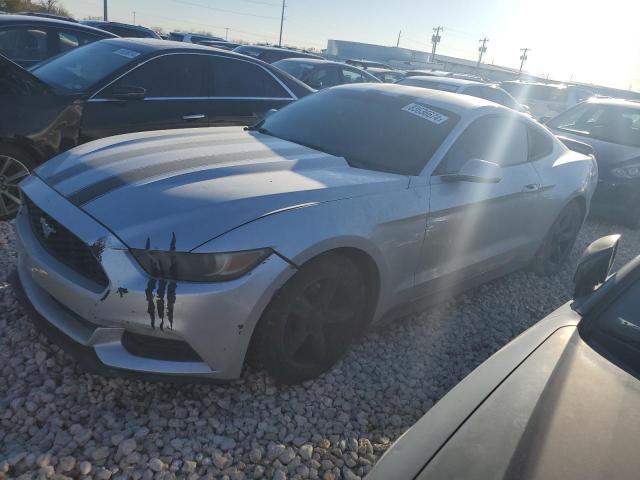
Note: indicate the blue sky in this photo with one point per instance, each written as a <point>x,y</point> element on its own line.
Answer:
<point>583,40</point>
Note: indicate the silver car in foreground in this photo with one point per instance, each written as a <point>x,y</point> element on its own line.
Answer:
<point>183,253</point>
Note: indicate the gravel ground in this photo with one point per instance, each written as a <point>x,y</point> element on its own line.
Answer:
<point>58,422</point>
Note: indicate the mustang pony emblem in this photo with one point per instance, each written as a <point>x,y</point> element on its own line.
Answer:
<point>47,229</point>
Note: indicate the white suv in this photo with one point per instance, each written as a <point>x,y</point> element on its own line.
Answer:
<point>546,100</point>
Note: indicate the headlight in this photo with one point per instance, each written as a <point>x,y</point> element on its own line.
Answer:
<point>199,267</point>
<point>628,171</point>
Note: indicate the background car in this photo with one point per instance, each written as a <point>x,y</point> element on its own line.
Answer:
<point>219,44</point>
<point>283,242</point>
<point>272,54</point>
<point>30,39</point>
<point>562,400</point>
<point>319,74</point>
<point>386,75</point>
<point>191,37</point>
<point>491,92</point>
<point>122,29</point>
<point>129,85</point>
<point>365,64</point>
<point>612,128</point>
<point>546,100</point>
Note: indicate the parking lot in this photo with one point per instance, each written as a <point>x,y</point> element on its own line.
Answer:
<point>336,426</point>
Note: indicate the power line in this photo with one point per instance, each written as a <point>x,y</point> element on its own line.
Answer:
<point>281,23</point>
<point>185,2</point>
<point>435,40</point>
<point>482,49</point>
<point>523,57</point>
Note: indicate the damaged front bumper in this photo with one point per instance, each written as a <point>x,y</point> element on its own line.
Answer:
<point>179,330</point>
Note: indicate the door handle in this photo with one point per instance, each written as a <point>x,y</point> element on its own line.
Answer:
<point>532,187</point>
<point>195,116</point>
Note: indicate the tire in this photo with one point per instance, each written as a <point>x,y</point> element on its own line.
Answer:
<point>558,243</point>
<point>312,320</point>
<point>15,165</point>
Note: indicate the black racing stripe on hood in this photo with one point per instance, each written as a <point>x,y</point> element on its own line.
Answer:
<point>105,160</point>
<point>102,187</point>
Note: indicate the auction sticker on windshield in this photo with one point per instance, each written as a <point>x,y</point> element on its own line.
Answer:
<point>426,113</point>
<point>126,53</point>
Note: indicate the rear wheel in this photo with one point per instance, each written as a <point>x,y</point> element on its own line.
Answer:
<point>557,246</point>
<point>310,323</point>
<point>14,167</point>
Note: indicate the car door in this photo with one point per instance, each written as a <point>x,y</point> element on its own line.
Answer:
<point>241,91</point>
<point>475,228</point>
<point>175,87</point>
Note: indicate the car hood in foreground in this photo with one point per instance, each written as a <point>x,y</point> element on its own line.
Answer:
<point>563,412</point>
<point>200,183</point>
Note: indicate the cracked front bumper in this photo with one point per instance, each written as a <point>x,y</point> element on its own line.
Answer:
<point>212,322</point>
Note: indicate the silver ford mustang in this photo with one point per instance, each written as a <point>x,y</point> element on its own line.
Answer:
<point>183,253</point>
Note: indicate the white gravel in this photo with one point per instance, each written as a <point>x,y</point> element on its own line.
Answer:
<point>58,422</point>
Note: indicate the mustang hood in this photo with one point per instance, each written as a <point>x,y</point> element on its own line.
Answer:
<point>200,183</point>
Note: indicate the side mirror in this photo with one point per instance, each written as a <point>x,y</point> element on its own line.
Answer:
<point>476,170</point>
<point>128,93</point>
<point>595,264</point>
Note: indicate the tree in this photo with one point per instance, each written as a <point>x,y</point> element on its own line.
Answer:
<point>46,6</point>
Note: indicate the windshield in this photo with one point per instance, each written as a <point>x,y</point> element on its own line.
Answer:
<point>610,123</point>
<point>76,70</point>
<point>372,130</point>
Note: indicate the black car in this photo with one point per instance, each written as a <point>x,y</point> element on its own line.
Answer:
<point>612,128</point>
<point>191,37</point>
<point>219,44</point>
<point>127,85</point>
<point>122,29</point>
<point>561,401</point>
<point>30,39</point>
<point>272,54</point>
<point>319,74</point>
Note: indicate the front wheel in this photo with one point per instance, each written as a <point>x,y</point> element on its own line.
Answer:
<point>557,245</point>
<point>310,323</point>
<point>14,167</point>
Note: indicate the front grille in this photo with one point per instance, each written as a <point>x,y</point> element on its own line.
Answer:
<point>64,246</point>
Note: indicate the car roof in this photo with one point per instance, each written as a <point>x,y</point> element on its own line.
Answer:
<point>118,24</point>
<point>456,103</point>
<point>316,61</point>
<point>157,44</point>
<point>445,80</point>
<point>8,19</point>
<point>540,84</point>
<point>615,101</point>
<point>381,70</point>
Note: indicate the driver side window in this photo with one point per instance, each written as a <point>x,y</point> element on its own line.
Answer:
<point>495,139</point>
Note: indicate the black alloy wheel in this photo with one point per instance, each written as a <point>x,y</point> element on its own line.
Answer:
<point>559,241</point>
<point>12,171</point>
<point>312,321</point>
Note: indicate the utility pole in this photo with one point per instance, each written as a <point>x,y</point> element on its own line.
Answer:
<point>105,15</point>
<point>482,49</point>
<point>226,33</point>
<point>281,22</point>
<point>134,17</point>
<point>523,57</point>
<point>398,42</point>
<point>435,40</point>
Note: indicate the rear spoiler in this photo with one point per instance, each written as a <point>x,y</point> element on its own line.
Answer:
<point>577,146</point>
